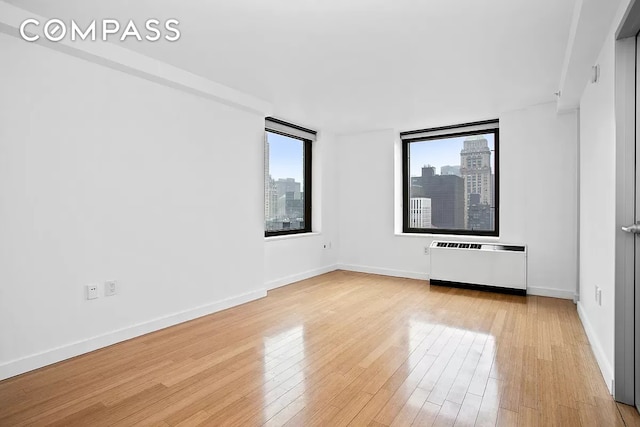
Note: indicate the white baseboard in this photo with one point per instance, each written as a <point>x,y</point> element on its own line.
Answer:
<point>543,292</point>
<point>603,363</point>
<point>384,271</point>
<point>272,284</point>
<point>38,360</point>
<point>553,293</point>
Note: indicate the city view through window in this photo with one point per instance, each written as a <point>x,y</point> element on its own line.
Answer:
<point>283,183</point>
<point>452,183</point>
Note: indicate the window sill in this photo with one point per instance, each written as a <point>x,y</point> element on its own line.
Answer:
<point>291,236</point>
<point>453,237</point>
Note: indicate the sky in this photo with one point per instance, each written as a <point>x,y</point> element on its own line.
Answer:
<point>439,152</point>
<point>286,157</point>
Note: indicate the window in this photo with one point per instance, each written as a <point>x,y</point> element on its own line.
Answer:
<point>450,179</point>
<point>287,178</point>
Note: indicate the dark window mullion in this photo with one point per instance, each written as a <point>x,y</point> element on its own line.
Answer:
<point>307,185</point>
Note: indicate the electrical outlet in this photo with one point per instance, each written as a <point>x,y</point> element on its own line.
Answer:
<point>326,245</point>
<point>426,250</point>
<point>92,291</point>
<point>110,288</point>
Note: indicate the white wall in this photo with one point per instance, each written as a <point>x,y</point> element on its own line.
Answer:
<point>538,190</point>
<point>367,166</point>
<point>538,200</point>
<point>288,259</point>
<point>597,210</point>
<point>598,231</point>
<point>108,176</point>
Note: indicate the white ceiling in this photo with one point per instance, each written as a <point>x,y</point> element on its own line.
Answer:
<point>359,64</point>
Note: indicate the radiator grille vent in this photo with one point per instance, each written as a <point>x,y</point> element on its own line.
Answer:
<point>459,245</point>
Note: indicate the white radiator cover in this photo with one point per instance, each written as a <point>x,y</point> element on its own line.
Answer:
<point>489,264</point>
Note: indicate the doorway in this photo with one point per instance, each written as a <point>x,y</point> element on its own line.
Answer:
<point>636,238</point>
<point>626,386</point>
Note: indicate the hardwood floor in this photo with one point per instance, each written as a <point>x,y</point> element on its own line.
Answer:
<point>339,349</point>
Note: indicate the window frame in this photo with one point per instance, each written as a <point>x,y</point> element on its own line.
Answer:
<point>307,154</point>
<point>456,131</point>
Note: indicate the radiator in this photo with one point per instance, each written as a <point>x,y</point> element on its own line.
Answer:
<point>485,266</point>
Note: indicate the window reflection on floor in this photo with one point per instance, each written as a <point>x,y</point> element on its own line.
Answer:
<point>283,353</point>
<point>466,357</point>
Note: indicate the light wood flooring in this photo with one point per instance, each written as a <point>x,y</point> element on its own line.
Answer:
<point>339,349</point>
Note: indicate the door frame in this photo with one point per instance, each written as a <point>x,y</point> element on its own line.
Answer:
<point>625,253</point>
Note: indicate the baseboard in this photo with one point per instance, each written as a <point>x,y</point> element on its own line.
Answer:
<point>273,284</point>
<point>39,360</point>
<point>549,292</point>
<point>605,367</point>
<point>384,271</point>
<point>543,292</point>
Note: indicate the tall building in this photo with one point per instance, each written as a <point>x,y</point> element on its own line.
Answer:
<point>475,169</point>
<point>267,180</point>
<point>290,208</point>
<point>420,212</point>
<point>479,214</point>
<point>446,193</point>
<point>286,185</point>
<point>270,195</point>
<point>288,204</point>
<point>450,170</point>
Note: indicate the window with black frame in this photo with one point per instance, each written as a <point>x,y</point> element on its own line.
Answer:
<point>450,179</point>
<point>287,178</point>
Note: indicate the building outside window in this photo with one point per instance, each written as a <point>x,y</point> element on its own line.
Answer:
<point>287,178</point>
<point>450,180</point>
